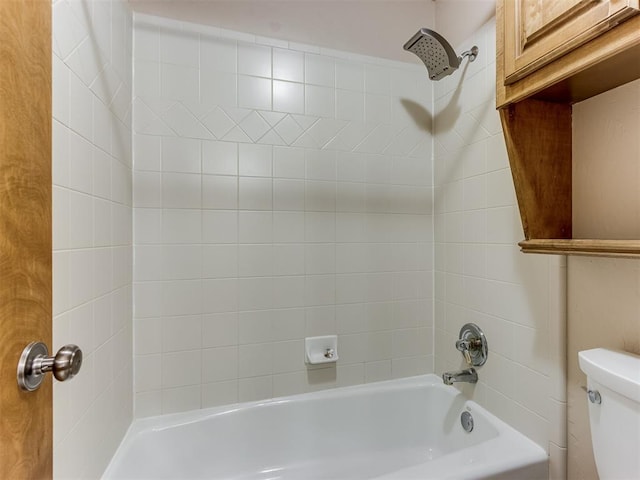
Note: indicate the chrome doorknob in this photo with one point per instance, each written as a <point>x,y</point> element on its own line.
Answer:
<point>35,362</point>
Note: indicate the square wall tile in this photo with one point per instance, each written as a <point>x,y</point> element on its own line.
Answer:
<point>319,70</point>
<point>320,101</point>
<point>288,97</point>
<point>254,60</point>
<point>288,65</point>
<point>254,92</point>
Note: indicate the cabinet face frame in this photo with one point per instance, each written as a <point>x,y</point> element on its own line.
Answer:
<point>526,52</point>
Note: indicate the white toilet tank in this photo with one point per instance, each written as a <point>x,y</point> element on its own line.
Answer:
<point>615,422</point>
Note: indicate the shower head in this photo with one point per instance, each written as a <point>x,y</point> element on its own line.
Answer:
<point>436,53</point>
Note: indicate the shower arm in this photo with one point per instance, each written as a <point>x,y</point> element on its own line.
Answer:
<point>472,54</point>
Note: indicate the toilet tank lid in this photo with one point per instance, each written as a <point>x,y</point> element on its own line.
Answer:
<point>618,371</point>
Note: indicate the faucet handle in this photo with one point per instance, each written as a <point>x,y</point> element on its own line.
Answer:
<point>473,345</point>
<point>463,346</point>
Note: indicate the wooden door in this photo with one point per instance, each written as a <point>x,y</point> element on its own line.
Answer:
<point>539,31</point>
<point>25,232</point>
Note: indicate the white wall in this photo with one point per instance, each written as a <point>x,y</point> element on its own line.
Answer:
<point>480,275</point>
<point>92,230</point>
<point>604,293</point>
<point>281,191</point>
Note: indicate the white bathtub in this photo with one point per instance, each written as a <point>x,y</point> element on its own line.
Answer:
<point>401,429</point>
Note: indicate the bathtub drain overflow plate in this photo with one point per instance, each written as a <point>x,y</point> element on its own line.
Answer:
<point>467,421</point>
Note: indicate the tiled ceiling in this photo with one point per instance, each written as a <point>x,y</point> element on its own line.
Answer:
<point>369,27</point>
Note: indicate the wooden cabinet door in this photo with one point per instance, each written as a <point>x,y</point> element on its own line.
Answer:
<point>540,31</point>
<point>25,232</point>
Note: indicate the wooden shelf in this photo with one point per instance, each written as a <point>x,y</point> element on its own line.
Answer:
<point>596,248</point>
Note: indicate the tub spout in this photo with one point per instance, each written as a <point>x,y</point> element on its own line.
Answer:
<point>469,375</point>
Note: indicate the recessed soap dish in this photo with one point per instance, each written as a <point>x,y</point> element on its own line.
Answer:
<point>321,349</point>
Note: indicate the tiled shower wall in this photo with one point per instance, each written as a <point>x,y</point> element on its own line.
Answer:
<point>281,191</point>
<point>92,234</point>
<point>480,275</point>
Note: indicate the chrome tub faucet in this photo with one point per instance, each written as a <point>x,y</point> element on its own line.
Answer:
<point>468,375</point>
<point>475,350</point>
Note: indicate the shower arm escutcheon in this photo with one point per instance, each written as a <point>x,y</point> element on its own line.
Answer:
<point>473,345</point>
<point>472,54</point>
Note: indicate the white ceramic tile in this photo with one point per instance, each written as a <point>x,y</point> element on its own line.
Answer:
<point>349,75</point>
<point>254,126</point>
<point>319,70</point>
<point>377,79</point>
<point>180,48</point>
<point>181,297</point>
<point>219,226</point>
<point>320,320</point>
<point>320,290</point>
<point>219,393</point>
<point>255,360</point>
<point>181,399</point>
<point>256,388</point>
<point>288,65</point>
<point>219,261</point>
<point>255,260</point>
<point>255,160</point>
<point>181,262</point>
<point>255,227</point>
<point>254,92</point>
<point>219,192</point>
<point>179,82</point>
<point>180,155</point>
<point>255,293</point>
<point>319,259</point>
<point>288,194</point>
<point>320,165</point>
<point>180,190</point>
<point>289,130</point>
<point>181,333</point>
<point>377,108</point>
<point>286,384</point>
<point>319,227</point>
<point>218,88</point>
<point>319,101</point>
<point>181,369</point>
<point>500,190</point>
<point>320,196</point>
<point>255,327</point>
<point>80,107</point>
<point>219,296</point>
<point>148,372</point>
<point>254,60</point>
<point>255,193</point>
<point>219,158</point>
<point>219,330</point>
<point>217,54</point>
<point>288,259</point>
<point>181,226</point>
<point>288,292</point>
<point>148,404</point>
<point>148,336</point>
<point>288,227</point>
<point>80,220</point>
<point>80,164</point>
<point>219,364</point>
<point>288,97</point>
<point>349,105</point>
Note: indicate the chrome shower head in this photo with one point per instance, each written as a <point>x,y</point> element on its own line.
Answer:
<point>436,53</point>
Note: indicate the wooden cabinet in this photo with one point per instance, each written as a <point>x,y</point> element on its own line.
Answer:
<point>540,31</point>
<point>550,55</point>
